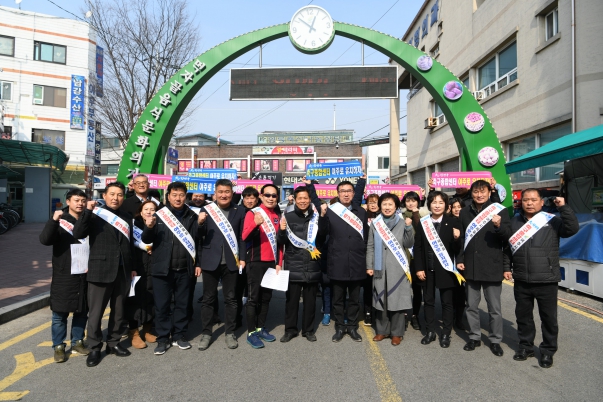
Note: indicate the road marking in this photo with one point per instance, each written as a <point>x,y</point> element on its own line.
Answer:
<point>26,363</point>
<point>45,344</point>
<point>385,383</point>
<point>24,335</point>
<point>570,308</point>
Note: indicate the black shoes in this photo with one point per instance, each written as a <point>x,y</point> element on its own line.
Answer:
<point>414,322</point>
<point>445,341</point>
<point>471,345</point>
<point>117,350</point>
<point>546,361</point>
<point>355,335</point>
<point>339,333</point>
<point>496,349</point>
<point>288,336</point>
<point>310,336</point>
<point>427,339</point>
<point>94,357</point>
<point>367,319</point>
<point>523,354</point>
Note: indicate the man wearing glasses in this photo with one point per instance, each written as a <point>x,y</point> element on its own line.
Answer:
<point>141,193</point>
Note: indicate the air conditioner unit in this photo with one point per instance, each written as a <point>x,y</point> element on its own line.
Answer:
<point>441,119</point>
<point>431,122</point>
<point>479,95</point>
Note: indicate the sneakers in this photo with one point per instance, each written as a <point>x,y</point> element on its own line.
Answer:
<point>80,348</point>
<point>204,342</point>
<point>162,347</point>
<point>182,344</point>
<point>254,340</point>
<point>326,319</point>
<point>265,335</point>
<point>231,341</point>
<point>367,319</point>
<point>59,353</point>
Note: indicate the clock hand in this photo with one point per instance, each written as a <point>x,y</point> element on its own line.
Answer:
<point>312,26</point>
<point>308,25</point>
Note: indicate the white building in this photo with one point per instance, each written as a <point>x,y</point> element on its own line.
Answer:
<point>378,162</point>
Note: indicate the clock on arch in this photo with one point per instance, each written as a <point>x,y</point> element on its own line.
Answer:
<point>311,29</point>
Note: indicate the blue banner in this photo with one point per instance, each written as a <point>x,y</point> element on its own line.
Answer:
<point>77,96</point>
<point>317,171</point>
<point>172,156</point>
<point>99,71</point>
<point>213,174</point>
<point>195,185</point>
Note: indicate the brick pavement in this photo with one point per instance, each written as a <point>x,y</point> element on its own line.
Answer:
<point>25,264</point>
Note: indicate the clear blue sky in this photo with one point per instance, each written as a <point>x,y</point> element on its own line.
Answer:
<point>238,121</point>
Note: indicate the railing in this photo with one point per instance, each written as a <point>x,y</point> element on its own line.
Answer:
<point>500,83</point>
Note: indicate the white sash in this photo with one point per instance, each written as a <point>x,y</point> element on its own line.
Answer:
<point>195,209</point>
<point>155,200</point>
<point>481,220</point>
<point>113,220</point>
<point>269,231</point>
<point>137,232</point>
<point>392,243</point>
<point>68,227</point>
<point>178,230</point>
<point>310,243</point>
<point>225,228</point>
<point>438,247</point>
<point>348,217</point>
<point>80,253</point>
<point>529,229</point>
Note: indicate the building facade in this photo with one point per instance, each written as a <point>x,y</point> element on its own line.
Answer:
<point>536,78</point>
<point>378,162</point>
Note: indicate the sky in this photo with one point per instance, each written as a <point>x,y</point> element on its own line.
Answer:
<point>241,121</point>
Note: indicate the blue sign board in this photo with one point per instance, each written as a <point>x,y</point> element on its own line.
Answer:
<point>213,174</point>
<point>99,71</point>
<point>97,144</point>
<point>195,185</point>
<point>77,96</point>
<point>172,156</point>
<point>318,171</point>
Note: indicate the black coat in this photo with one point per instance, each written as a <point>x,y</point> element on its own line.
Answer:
<point>443,278</point>
<point>537,260</point>
<point>67,291</point>
<point>299,263</point>
<point>213,241</point>
<point>163,241</point>
<point>107,246</point>
<point>131,205</point>
<point>483,256</point>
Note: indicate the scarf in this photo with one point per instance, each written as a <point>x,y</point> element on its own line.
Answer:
<point>390,223</point>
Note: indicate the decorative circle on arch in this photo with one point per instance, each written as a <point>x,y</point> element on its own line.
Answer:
<point>151,135</point>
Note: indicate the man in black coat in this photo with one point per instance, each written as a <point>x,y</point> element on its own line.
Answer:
<point>67,290</point>
<point>481,262</point>
<point>304,271</point>
<point>141,193</point>
<point>218,261</point>
<point>110,269</point>
<point>536,272</point>
<point>173,263</point>
<point>346,265</point>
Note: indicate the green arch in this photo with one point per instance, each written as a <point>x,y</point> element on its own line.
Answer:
<point>155,127</point>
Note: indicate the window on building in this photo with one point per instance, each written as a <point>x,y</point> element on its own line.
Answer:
<point>7,45</point>
<point>6,89</point>
<point>49,137</point>
<point>50,52</point>
<point>111,142</point>
<point>435,51</point>
<point>112,169</point>
<point>383,162</point>
<point>466,82</point>
<point>7,134</point>
<point>50,96</point>
<point>551,26</point>
<point>517,149</point>
<point>438,113</point>
<point>548,172</point>
<point>499,71</point>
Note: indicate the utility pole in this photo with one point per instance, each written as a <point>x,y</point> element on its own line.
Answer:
<point>334,118</point>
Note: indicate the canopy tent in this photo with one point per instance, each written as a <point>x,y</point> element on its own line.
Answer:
<point>572,146</point>
<point>6,173</point>
<point>32,154</point>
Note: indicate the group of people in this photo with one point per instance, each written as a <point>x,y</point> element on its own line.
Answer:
<point>395,250</point>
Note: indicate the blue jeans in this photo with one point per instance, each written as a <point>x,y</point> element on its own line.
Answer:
<point>59,327</point>
<point>326,299</point>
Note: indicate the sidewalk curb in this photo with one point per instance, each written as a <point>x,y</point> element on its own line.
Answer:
<point>16,310</point>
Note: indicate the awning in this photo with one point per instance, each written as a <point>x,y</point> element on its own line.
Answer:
<point>7,173</point>
<point>572,146</point>
<point>32,154</point>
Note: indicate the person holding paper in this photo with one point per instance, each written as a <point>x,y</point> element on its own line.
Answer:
<point>536,271</point>
<point>300,231</point>
<point>260,233</point>
<point>388,263</point>
<point>140,184</point>
<point>436,242</point>
<point>174,233</point>
<point>67,290</point>
<point>221,257</point>
<point>110,269</point>
<point>486,229</point>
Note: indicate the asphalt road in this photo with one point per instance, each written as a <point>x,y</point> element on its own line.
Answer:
<point>305,371</point>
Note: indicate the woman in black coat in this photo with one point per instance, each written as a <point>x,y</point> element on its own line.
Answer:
<point>304,271</point>
<point>430,271</point>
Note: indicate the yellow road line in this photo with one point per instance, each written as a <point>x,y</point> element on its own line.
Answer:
<point>570,308</point>
<point>24,335</point>
<point>385,383</point>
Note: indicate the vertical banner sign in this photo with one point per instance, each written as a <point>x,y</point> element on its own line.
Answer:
<point>97,143</point>
<point>172,156</point>
<point>76,119</point>
<point>91,137</point>
<point>99,71</point>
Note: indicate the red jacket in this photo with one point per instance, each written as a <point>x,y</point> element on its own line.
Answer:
<point>258,246</point>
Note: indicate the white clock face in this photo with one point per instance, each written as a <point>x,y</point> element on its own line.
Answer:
<point>311,29</point>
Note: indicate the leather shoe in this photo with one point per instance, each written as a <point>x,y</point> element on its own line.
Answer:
<point>117,350</point>
<point>288,336</point>
<point>94,357</point>
<point>379,338</point>
<point>523,354</point>
<point>414,322</point>
<point>396,340</point>
<point>338,335</point>
<point>546,361</point>
<point>427,339</point>
<point>355,335</point>
<point>496,349</point>
<point>445,341</point>
<point>471,345</point>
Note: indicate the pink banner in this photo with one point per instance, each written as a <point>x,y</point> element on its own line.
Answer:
<point>458,179</point>
<point>327,191</point>
<point>159,181</point>
<point>257,184</point>
<point>398,189</point>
